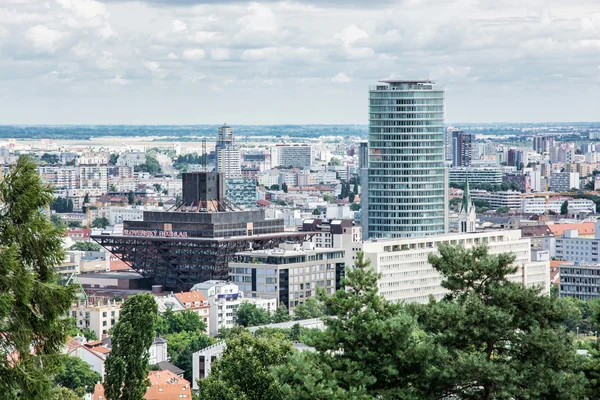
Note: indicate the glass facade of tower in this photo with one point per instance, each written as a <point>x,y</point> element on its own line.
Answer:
<point>407,180</point>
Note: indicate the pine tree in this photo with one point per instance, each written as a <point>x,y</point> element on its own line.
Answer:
<point>32,303</point>
<point>127,365</point>
<point>503,340</point>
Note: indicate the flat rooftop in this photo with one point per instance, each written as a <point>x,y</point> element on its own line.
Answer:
<point>405,81</point>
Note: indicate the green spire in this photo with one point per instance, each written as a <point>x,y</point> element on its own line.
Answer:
<point>466,200</point>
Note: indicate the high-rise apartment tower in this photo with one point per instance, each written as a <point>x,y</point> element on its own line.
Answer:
<point>228,154</point>
<point>407,179</point>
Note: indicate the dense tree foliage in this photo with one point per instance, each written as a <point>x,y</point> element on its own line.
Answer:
<point>32,303</point>
<point>182,321</point>
<point>248,314</point>
<point>50,158</point>
<point>62,205</point>
<point>151,165</point>
<point>504,339</point>
<point>127,365</point>
<point>77,375</point>
<point>311,308</point>
<point>244,370</point>
<point>86,246</point>
<point>101,222</point>
<point>564,208</point>
<point>281,314</point>
<point>370,349</point>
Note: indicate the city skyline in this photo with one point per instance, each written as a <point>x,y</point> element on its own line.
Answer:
<point>193,62</point>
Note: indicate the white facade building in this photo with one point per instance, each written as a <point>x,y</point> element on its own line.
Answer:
<point>131,158</point>
<point>291,155</point>
<point>571,247</point>
<point>97,313</point>
<point>291,273</point>
<point>229,160</point>
<point>510,199</point>
<point>406,275</point>
<point>537,205</point>
<point>224,299</point>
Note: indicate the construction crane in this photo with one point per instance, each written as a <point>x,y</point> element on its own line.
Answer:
<point>73,279</point>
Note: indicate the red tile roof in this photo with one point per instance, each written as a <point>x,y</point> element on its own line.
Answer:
<point>584,228</point>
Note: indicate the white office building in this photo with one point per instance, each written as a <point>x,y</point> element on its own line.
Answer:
<point>407,184</point>
<point>571,247</point>
<point>224,299</point>
<point>406,275</point>
<point>509,198</point>
<point>579,280</point>
<point>291,155</point>
<point>290,273</point>
<point>537,205</point>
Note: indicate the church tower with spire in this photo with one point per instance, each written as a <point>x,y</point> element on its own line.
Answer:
<point>466,216</point>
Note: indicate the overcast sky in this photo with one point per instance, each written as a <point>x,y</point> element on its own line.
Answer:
<point>305,61</point>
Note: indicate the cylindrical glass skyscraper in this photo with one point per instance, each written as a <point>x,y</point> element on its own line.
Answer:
<point>407,181</point>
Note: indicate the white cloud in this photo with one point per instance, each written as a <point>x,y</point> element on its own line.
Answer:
<point>341,78</point>
<point>44,38</point>
<point>118,80</point>
<point>87,9</point>
<point>220,54</point>
<point>351,34</point>
<point>259,54</point>
<point>193,54</point>
<point>172,56</point>
<point>179,26</point>
<point>155,69</point>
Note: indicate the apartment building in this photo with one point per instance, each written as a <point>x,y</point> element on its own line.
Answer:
<point>570,246</point>
<point>579,280</point>
<point>224,299</point>
<point>406,275</point>
<point>291,155</point>
<point>333,233</point>
<point>509,198</point>
<point>131,159</point>
<point>96,313</point>
<point>476,175</point>
<point>538,205</point>
<point>291,273</point>
<point>196,302</point>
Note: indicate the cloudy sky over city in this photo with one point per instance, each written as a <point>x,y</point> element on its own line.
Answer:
<point>300,62</point>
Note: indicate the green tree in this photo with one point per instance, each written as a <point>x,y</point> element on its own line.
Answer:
<point>503,210</point>
<point>281,314</point>
<point>89,334</point>
<point>284,187</point>
<point>355,206</point>
<point>244,370</point>
<point>130,198</point>
<point>151,166</point>
<point>503,340</point>
<point>113,159</point>
<point>311,308</point>
<point>74,224</point>
<point>184,360</point>
<point>334,162</point>
<point>127,365</point>
<point>63,393</point>
<point>32,303</point>
<point>371,348</point>
<point>274,187</point>
<point>564,208</point>
<point>86,246</point>
<point>351,197</point>
<point>248,314</point>
<point>101,222</point>
<point>328,198</point>
<point>182,321</point>
<point>316,212</point>
<point>57,221</point>
<point>62,205</point>
<point>77,375</point>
